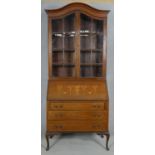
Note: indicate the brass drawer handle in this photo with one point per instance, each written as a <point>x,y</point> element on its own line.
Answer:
<point>58,126</point>
<point>59,115</point>
<point>96,106</point>
<point>97,126</point>
<point>58,106</point>
<point>97,115</point>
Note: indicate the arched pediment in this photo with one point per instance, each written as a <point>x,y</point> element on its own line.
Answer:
<point>74,7</point>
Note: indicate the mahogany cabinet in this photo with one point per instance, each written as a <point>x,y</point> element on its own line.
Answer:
<point>77,96</point>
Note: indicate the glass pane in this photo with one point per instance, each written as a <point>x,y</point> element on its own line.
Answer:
<point>97,26</point>
<point>69,71</point>
<point>57,57</point>
<point>85,56</point>
<point>86,71</point>
<point>97,41</point>
<point>57,71</point>
<point>97,71</point>
<point>69,42</point>
<point>69,46</point>
<point>69,31</point>
<point>63,71</point>
<point>69,57</point>
<point>96,57</point>
<point>85,24</point>
<point>57,41</point>
<point>85,41</point>
<point>57,25</point>
<point>69,23</point>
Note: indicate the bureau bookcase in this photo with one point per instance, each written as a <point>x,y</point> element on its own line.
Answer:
<point>77,95</point>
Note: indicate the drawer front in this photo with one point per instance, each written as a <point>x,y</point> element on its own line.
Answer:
<point>81,126</point>
<point>77,106</point>
<point>77,115</point>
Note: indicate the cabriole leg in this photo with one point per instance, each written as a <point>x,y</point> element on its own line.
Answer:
<point>107,140</point>
<point>47,140</point>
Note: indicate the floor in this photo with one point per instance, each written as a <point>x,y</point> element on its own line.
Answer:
<point>77,144</point>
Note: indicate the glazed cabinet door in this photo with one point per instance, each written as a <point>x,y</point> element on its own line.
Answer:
<point>91,46</point>
<point>63,46</point>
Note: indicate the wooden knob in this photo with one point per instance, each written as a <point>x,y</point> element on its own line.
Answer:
<point>60,126</point>
<point>55,106</point>
<point>59,115</point>
<point>61,106</point>
<point>94,106</point>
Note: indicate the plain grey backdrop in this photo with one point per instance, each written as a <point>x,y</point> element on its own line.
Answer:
<point>44,59</point>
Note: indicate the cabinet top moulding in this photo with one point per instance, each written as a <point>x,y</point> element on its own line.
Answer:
<point>72,7</point>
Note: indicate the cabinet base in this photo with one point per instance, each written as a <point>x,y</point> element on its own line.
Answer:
<point>102,134</point>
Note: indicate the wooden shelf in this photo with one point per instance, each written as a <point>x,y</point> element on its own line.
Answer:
<point>94,64</point>
<point>69,65</point>
<point>62,64</point>
<point>69,50</point>
<point>57,32</point>
<point>85,50</point>
<point>57,50</point>
<point>89,50</point>
<point>65,50</point>
<point>97,50</point>
<point>57,65</point>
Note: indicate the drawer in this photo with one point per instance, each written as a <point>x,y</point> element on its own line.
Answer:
<point>76,126</point>
<point>77,106</point>
<point>77,115</point>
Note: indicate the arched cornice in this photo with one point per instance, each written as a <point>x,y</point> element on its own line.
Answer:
<point>73,7</point>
